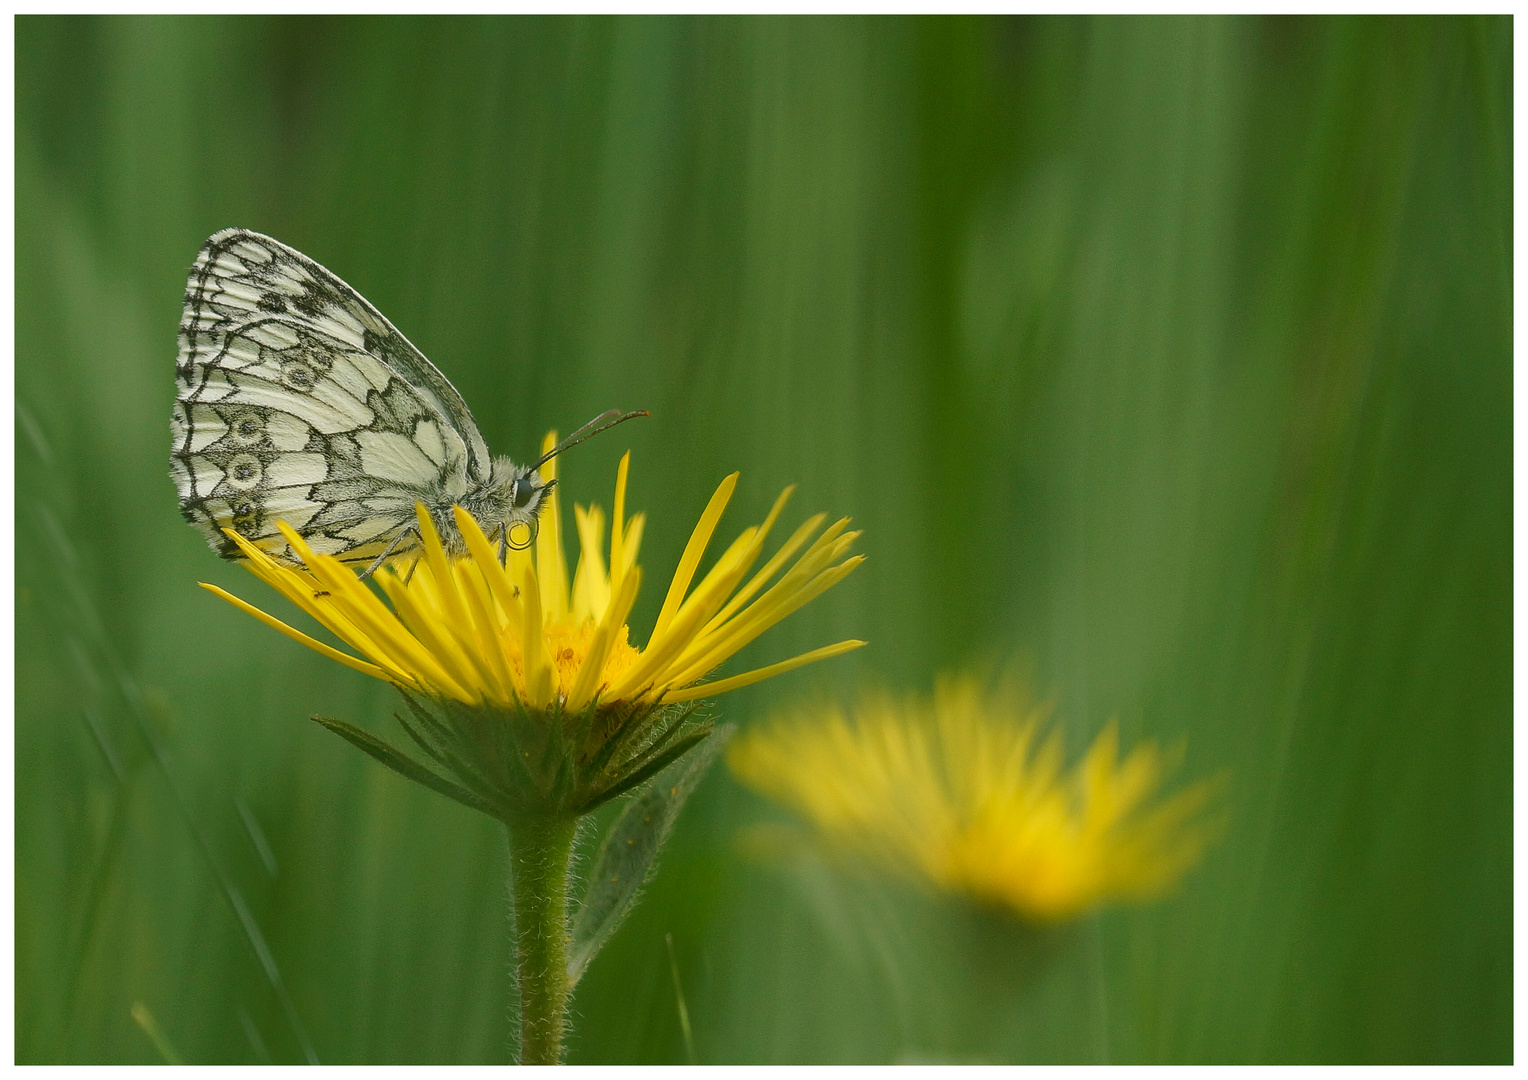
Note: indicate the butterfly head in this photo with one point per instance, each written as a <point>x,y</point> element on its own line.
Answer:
<point>514,494</point>
<point>513,497</point>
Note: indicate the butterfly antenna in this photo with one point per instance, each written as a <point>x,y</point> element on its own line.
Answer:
<point>603,422</point>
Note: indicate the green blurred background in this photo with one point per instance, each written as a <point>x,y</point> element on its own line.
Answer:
<point>1171,355</point>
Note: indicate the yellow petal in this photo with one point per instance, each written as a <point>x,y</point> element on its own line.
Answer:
<point>317,646</point>
<point>497,579</point>
<point>551,563</point>
<point>650,670</point>
<point>692,554</point>
<point>418,637</point>
<point>799,537</point>
<point>721,686</point>
<point>618,524</point>
<point>631,541</point>
<point>591,586</point>
<point>733,563</point>
<point>538,666</point>
<point>375,621</point>
<point>482,609</point>
<point>593,666</point>
<point>455,629</point>
<point>787,597</point>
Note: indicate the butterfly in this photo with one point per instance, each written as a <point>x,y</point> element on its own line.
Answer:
<point>296,401</point>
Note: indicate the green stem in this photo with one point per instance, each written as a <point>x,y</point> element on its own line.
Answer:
<point>540,852</point>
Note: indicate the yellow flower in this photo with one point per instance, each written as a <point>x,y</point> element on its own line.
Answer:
<point>966,792</point>
<point>520,639</point>
<point>475,631</point>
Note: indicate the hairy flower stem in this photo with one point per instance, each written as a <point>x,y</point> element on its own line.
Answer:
<point>540,852</point>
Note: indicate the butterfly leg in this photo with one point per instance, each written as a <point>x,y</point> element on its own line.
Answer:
<point>387,551</point>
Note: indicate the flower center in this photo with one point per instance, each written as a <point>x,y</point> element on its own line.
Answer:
<point>568,642</point>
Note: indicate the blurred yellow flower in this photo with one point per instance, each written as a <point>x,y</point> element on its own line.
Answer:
<point>477,632</point>
<point>967,792</point>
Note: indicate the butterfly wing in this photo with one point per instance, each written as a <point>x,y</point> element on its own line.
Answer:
<point>297,401</point>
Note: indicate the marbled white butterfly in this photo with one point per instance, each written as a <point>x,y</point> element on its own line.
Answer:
<point>297,401</point>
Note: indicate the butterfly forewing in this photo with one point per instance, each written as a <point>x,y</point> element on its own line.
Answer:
<point>298,402</point>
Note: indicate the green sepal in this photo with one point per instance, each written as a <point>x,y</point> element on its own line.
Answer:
<point>628,854</point>
<point>443,752</point>
<point>404,766</point>
<point>515,763</point>
<point>650,769</point>
<point>666,719</point>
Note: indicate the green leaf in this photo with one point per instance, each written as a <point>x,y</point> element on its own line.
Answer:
<point>404,765</point>
<point>630,851</point>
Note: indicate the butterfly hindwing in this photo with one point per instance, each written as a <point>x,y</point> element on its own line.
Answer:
<point>297,401</point>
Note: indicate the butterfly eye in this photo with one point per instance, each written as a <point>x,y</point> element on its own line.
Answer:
<point>525,491</point>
